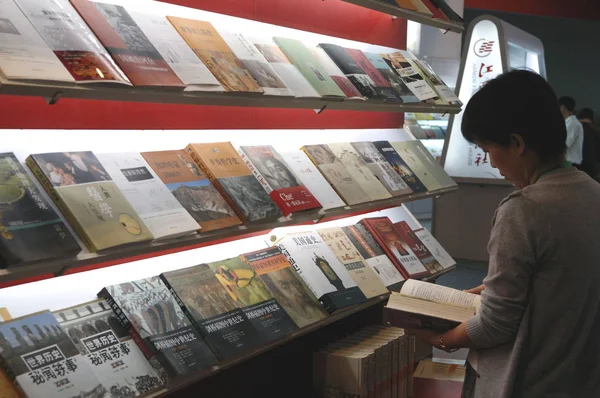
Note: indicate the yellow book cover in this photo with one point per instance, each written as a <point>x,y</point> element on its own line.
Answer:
<point>406,4</point>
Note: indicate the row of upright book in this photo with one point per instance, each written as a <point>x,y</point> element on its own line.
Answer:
<point>140,334</point>
<point>82,41</point>
<point>116,199</point>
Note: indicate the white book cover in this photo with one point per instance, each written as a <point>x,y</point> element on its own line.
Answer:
<point>312,179</point>
<point>268,79</point>
<point>411,77</point>
<point>284,67</point>
<point>440,254</point>
<point>407,152</point>
<point>180,57</point>
<point>152,200</point>
<point>24,55</point>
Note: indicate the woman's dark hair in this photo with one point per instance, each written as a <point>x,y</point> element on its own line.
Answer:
<point>517,102</point>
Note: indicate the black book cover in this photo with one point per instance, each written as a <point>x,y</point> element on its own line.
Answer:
<point>394,159</point>
<point>30,229</point>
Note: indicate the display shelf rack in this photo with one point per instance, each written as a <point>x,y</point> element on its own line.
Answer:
<point>411,15</point>
<point>54,92</point>
<point>87,261</point>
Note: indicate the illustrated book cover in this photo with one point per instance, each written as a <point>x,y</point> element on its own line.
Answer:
<point>384,87</point>
<point>390,74</point>
<point>400,166</point>
<point>410,76</point>
<point>407,152</point>
<point>336,74</point>
<point>418,248</point>
<point>440,254</point>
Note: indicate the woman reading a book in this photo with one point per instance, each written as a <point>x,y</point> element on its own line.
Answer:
<point>537,333</point>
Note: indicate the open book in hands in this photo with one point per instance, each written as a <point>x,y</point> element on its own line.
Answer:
<point>422,305</point>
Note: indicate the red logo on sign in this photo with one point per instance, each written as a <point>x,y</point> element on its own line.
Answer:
<point>485,69</point>
<point>483,47</point>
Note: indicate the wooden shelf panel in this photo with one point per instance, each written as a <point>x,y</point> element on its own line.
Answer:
<point>53,92</point>
<point>409,14</point>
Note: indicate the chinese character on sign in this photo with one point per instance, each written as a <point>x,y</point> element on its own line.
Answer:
<point>481,160</point>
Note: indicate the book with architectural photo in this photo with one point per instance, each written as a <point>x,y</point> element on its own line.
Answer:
<point>383,86</point>
<point>418,248</point>
<point>390,74</point>
<point>411,77</point>
<point>407,152</point>
<point>400,166</point>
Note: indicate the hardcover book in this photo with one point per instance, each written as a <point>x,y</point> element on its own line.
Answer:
<point>44,363</point>
<point>310,177</point>
<point>278,180</point>
<point>395,247</point>
<point>336,74</point>
<point>309,66</point>
<point>175,51</point>
<point>390,74</point>
<point>24,55</point>
<point>358,169</point>
<point>324,274</point>
<point>151,199</point>
<point>374,256</point>
<point>250,293</point>
<point>441,255</point>
<point>210,47</point>
<point>108,349</point>
<point>284,68</point>
<point>209,306</point>
<point>400,166</point>
<point>287,286</point>
<point>192,189</point>
<point>234,180</point>
<point>158,325</point>
<point>419,168</point>
<point>410,76</point>
<point>381,168</point>
<point>344,250</point>
<point>384,87</point>
<point>72,41</point>
<point>127,44</point>
<point>92,203</point>
<point>336,174</point>
<point>30,228</point>
<point>418,248</point>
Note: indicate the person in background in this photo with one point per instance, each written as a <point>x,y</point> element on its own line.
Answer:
<point>574,131</point>
<point>536,334</point>
<point>591,143</point>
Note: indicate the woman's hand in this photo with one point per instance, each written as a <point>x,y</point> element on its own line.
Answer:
<point>427,336</point>
<point>476,290</point>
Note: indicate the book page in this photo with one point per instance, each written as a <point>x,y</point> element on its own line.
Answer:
<point>440,294</point>
<point>423,307</point>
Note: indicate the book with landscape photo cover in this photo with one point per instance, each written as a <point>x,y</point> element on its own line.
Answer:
<point>418,248</point>
<point>228,172</point>
<point>72,41</point>
<point>324,274</point>
<point>252,295</point>
<point>421,169</point>
<point>88,198</point>
<point>108,349</point>
<point>127,44</point>
<point>400,166</point>
<point>159,326</point>
<point>43,361</point>
<point>287,286</point>
<point>30,228</point>
<point>423,305</point>
<point>192,189</point>
<point>278,180</point>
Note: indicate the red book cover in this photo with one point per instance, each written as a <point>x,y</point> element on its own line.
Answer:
<point>361,59</point>
<point>395,247</point>
<point>420,250</point>
<point>437,13</point>
<point>131,50</point>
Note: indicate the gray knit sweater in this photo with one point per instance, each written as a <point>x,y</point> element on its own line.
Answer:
<point>538,331</point>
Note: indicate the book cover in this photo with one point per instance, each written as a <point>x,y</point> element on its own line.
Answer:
<point>381,168</point>
<point>192,189</point>
<point>410,76</point>
<point>89,199</point>
<point>250,293</point>
<point>210,47</point>
<point>446,9</point>
<point>287,286</point>
<point>395,247</point>
<point>209,306</point>
<point>344,250</point>
<point>278,180</point>
<point>310,177</point>
<point>264,74</point>
<point>324,274</point>
<point>384,87</point>
<point>230,175</point>
<point>309,66</point>
<point>434,10</point>
<point>390,74</point>
<point>284,67</point>
<point>336,74</point>
<point>440,254</point>
<point>41,359</point>
<point>435,168</point>
<point>108,349</point>
<point>127,44</point>
<point>151,199</point>
<point>444,92</point>
<point>24,55</point>
<point>30,229</point>
<point>419,168</point>
<point>400,166</point>
<point>418,248</point>
<point>358,169</point>
<point>7,388</point>
<point>407,4</point>
<point>160,324</point>
<point>72,41</point>
<point>336,174</point>
<point>4,314</point>
<point>374,256</point>
<point>175,51</point>
<point>421,7</point>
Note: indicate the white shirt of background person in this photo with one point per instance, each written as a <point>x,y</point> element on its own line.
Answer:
<point>574,140</point>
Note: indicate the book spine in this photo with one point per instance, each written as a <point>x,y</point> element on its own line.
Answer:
<point>411,366</point>
<point>324,175</point>
<point>216,183</point>
<point>62,206</point>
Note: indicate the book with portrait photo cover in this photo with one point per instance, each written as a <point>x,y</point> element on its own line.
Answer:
<point>423,305</point>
